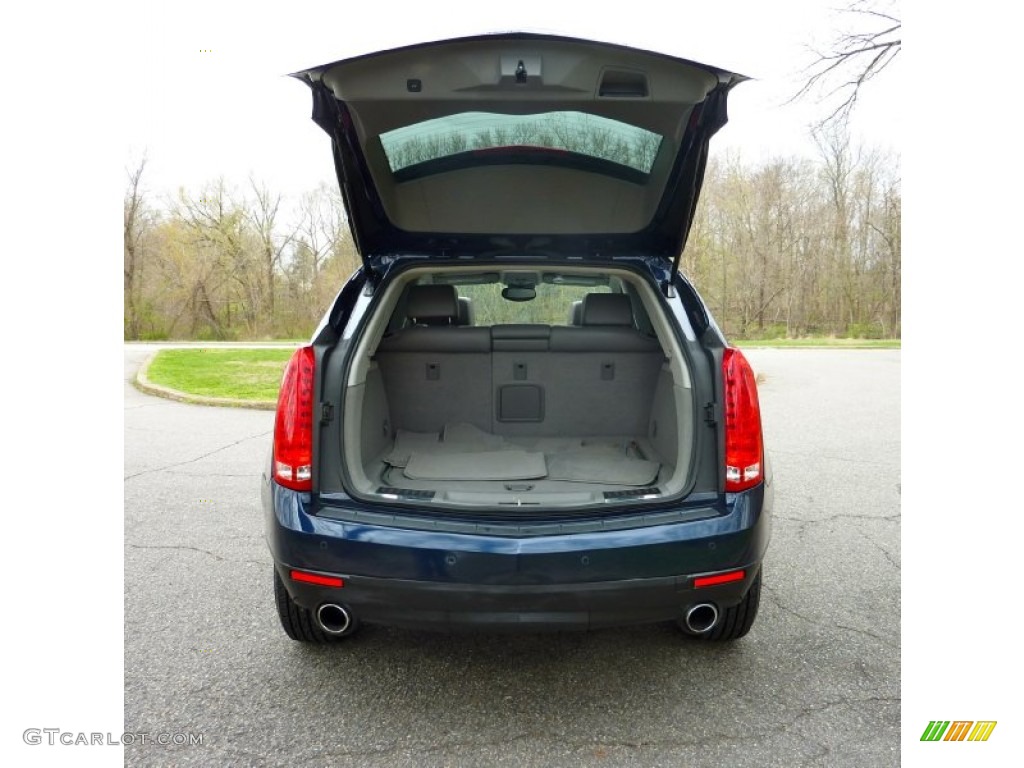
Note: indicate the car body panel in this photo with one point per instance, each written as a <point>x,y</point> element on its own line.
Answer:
<point>418,604</point>
<point>416,577</point>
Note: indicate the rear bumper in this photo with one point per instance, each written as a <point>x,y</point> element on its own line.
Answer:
<point>585,605</point>
<point>444,581</point>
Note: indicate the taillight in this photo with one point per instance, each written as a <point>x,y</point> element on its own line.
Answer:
<point>293,429</point>
<point>744,452</point>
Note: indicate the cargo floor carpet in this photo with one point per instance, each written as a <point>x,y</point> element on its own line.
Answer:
<point>465,453</point>
<point>601,467</point>
<point>487,465</point>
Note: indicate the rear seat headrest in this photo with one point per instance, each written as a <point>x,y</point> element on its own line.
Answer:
<point>432,304</point>
<point>607,309</point>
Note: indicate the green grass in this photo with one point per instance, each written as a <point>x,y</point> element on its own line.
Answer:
<point>244,374</point>
<point>823,341</point>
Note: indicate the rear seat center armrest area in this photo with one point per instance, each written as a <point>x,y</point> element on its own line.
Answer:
<point>520,338</point>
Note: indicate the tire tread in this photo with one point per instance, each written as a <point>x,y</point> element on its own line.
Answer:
<point>737,620</point>
<point>296,621</point>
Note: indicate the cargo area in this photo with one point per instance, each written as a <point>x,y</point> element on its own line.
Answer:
<point>584,413</point>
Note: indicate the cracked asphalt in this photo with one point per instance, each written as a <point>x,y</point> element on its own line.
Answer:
<point>816,682</point>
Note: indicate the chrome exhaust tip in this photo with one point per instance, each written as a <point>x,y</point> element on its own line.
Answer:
<point>333,619</point>
<point>701,618</point>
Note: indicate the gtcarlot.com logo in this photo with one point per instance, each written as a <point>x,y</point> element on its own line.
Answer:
<point>958,730</point>
<point>57,736</point>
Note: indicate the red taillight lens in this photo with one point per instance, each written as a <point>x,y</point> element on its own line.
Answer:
<point>744,452</point>
<point>316,578</point>
<point>293,429</point>
<point>719,578</point>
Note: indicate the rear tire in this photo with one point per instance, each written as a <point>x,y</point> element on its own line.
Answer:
<point>298,623</point>
<point>735,622</point>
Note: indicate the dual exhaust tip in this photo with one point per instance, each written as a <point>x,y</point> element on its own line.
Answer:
<point>701,618</point>
<point>334,619</point>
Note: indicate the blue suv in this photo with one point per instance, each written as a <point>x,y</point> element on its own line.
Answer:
<point>518,414</point>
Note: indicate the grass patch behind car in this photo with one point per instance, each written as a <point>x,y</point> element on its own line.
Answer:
<point>242,374</point>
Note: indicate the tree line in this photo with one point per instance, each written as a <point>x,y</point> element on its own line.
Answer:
<point>797,247</point>
<point>223,263</point>
<point>784,247</point>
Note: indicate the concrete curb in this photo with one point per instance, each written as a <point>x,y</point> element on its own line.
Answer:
<point>143,384</point>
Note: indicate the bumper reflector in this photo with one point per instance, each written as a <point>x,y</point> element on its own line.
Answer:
<point>719,578</point>
<point>316,578</point>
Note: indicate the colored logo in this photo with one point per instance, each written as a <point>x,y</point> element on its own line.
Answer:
<point>958,730</point>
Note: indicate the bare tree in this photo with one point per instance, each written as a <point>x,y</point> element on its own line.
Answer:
<point>224,264</point>
<point>321,256</point>
<point>321,224</point>
<point>137,220</point>
<point>854,57</point>
<point>262,216</point>
<point>801,247</point>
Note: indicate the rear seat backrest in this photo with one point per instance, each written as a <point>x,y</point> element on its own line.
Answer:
<point>576,381</point>
<point>436,371</point>
<point>529,380</point>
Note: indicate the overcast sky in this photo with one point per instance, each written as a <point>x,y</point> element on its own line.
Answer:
<point>210,97</point>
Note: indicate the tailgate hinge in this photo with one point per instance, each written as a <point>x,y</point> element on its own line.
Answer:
<point>326,413</point>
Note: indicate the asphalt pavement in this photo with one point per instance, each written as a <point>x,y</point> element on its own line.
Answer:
<point>816,682</point>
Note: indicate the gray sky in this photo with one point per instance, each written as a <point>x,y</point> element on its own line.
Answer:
<point>212,98</point>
